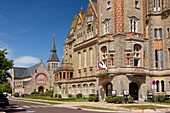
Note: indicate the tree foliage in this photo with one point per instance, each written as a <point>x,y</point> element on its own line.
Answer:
<point>5,87</point>
<point>5,66</point>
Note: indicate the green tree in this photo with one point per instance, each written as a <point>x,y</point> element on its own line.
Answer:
<point>5,66</point>
<point>5,87</point>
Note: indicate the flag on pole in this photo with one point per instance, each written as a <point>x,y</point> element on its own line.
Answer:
<point>101,66</point>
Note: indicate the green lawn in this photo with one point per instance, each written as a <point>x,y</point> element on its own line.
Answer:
<point>142,107</point>
<point>94,108</point>
<point>39,100</point>
<point>46,102</point>
<point>76,100</point>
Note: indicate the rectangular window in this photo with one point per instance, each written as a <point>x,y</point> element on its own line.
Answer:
<point>107,27</point>
<point>128,59</point>
<point>161,58</point>
<point>159,5</point>
<point>112,59</point>
<point>154,6</point>
<point>133,25</point>
<point>156,58</point>
<point>136,62</point>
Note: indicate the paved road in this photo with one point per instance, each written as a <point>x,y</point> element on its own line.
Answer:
<point>43,108</point>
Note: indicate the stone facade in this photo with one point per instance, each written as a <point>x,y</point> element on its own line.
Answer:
<point>27,80</point>
<point>130,37</point>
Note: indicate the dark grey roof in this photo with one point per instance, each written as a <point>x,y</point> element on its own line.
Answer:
<point>20,72</point>
<point>30,71</point>
<point>53,54</point>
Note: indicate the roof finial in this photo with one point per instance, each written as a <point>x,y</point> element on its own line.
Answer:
<point>81,8</point>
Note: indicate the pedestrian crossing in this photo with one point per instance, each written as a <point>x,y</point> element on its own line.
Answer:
<point>37,106</point>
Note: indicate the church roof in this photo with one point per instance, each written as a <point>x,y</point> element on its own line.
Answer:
<point>20,72</point>
<point>53,54</point>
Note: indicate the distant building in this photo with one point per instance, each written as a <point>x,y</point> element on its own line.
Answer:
<point>129,39</point>
<point>35,78</point>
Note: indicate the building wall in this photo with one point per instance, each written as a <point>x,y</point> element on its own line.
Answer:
<point>122,26</point>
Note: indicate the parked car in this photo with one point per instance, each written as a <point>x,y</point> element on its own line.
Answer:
<point>3,100</point>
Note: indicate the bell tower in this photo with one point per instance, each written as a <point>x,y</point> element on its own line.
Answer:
<point>53,61</point>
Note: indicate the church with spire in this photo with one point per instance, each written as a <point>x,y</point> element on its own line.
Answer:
<point>37,77</point>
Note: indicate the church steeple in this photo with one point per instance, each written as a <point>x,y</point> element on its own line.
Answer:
<point>53,55</point>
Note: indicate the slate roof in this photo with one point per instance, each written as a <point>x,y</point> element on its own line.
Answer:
<point>53,55</point>
<point>20,72</point>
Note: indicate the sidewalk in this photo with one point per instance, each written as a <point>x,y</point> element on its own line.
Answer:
<point>114,106</point>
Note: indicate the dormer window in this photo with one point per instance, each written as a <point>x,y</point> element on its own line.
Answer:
<point>89,18</point>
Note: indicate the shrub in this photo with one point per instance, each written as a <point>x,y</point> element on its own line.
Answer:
<point>91,95</point>
<point>119,99</point>
<point>49,92</point>
<point>161,98</point>
<point>90,99</point>
<point>70,95</point>
<point>59,96</point>
<point>96,98</point>
<point>56,95</point>
<point>130,99</point>
<point>167,101</point>
<point>109,99</point>
<point>35,92</point>
<point>79,95</point>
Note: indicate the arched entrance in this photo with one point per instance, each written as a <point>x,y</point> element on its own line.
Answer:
<point>109,88</point>
<point>41,89</point>
<point>133,90</point>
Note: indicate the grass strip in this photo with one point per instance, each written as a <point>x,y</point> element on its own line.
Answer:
<point>95,108</point>
<point>40,101</point>
<point>46,102</point>
<point>143,107</point>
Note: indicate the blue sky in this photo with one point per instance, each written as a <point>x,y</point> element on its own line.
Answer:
<point>27,26</point>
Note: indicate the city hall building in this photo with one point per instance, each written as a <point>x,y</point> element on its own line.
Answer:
<point>115,46</point>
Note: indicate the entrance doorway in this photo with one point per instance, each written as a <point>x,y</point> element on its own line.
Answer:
<point>133,90</point>
<point>109,88</point>
<point>41,89</point>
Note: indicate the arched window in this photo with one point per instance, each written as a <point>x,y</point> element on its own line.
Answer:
<point>155,33</point>
<point>157,86</point>
<point>85,59</point>
<point>79,58</point>
<point>92,87</point>
<point>162,86</point>
<point>91,57</point>
<point>160,32</point>
<point>137,55</point>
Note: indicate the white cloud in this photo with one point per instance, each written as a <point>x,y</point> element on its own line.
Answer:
<point>25,61</point>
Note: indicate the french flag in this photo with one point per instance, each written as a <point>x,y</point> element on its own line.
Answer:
<point>101,66</point>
